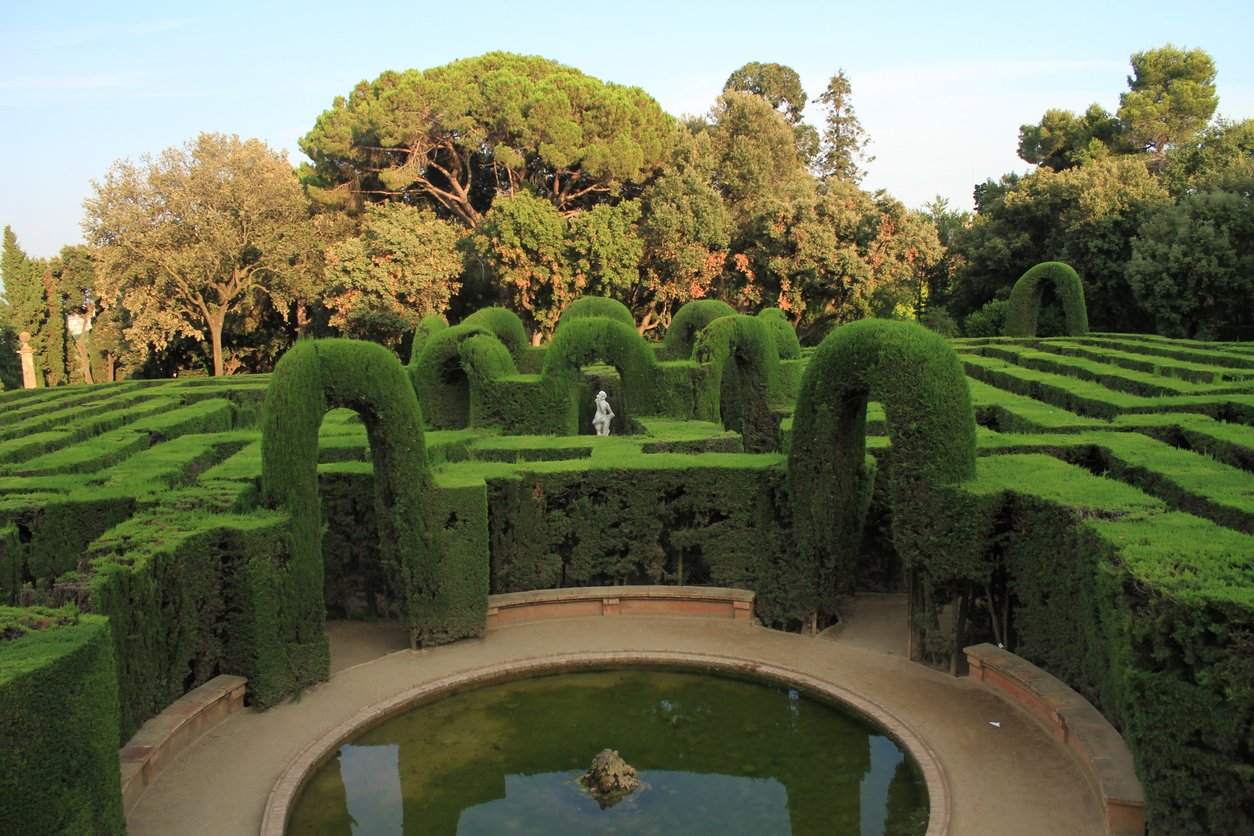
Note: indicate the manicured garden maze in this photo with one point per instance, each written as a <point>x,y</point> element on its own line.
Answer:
<point>1105,530</point>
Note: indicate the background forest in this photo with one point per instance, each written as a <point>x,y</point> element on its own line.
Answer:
<point>514,180</point>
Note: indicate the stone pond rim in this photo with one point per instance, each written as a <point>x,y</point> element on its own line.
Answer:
<point>286,790</point>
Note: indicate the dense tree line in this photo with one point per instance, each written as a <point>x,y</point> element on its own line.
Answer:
<point>1152,205</point>
<point>515,180</point>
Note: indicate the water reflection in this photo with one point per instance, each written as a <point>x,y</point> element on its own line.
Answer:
<point>719,755</point>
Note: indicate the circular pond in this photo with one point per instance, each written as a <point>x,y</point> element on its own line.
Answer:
<point>714,754</point>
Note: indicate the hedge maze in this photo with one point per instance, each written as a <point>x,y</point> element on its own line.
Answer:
<point>1087,501</point>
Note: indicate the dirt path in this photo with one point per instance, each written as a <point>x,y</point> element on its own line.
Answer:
<point>1003,780</point>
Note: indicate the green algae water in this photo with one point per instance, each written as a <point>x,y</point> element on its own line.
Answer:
<point>715,755</point>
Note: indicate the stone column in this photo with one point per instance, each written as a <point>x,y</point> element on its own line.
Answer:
<point>27,353</point>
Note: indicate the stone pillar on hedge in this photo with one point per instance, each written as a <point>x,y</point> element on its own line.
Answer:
<point>29,380</point>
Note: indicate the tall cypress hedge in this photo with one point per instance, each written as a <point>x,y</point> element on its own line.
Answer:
<point>919,379</point>
<point>588,339</point>
<point>440,380</point>
<point>505,324</point>
<point>786,342</point>
<point>1025,300</point>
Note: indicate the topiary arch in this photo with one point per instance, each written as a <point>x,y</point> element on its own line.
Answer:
<point>313,377</point>
<point>744,362</point>
<point>1025,300</point>
<point>584,340</point>
<point>597,306</point>
<point>919,380</point>
<point>688,320</point>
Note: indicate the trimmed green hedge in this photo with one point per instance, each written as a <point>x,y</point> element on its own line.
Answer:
<point>1145,611</point>
<point>1025,300</point>
<point>743,366</point>
<point>505,324</point>
<point>430,324</point>
<point>597,306</point>
<point>207,596</point>
<point>688,320</point>
<point>58,725</point>
<point>595,339</point>
<point>311,378</point>
<point>559,524</point>
<point>786,342</point>
<point>918,378</point>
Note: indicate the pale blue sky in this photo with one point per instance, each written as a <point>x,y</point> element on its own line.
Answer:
<point>940,87</point>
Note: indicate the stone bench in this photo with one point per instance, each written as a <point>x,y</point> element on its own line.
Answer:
<point>181,724</point>
<point>1071,719</point>
<point>716,602</point>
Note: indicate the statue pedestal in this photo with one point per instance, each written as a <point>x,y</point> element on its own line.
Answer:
<point>29,380</point>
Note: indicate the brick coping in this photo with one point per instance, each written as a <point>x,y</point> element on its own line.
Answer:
<point>302,767</point>
<point>181,724</point>
<point>580,601</point>
<point>1071,719</point>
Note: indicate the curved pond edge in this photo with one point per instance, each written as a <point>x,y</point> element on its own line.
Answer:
<point>302,767</point>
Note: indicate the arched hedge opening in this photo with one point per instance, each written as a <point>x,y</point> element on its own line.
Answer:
<point>597,306</point>
<point>688,320</point>
<point>1025,300</point>
<point>585,340</point>
<point>312,378</point>
<point>740,351</point>
<point>919,380</point>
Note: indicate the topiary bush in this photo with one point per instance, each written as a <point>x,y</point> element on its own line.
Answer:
<point>439,379</point>
<point>743,365</point>
<point>920,382</point>
<point>1025,300</point>
<point>688,320</point>
<point>786,343</point>
<point>597,306</point>
<point>506,325</point>
<point>428,325</point>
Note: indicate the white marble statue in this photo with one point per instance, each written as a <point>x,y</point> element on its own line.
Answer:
<point>601,420</point>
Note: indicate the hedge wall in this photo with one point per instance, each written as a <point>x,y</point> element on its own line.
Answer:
<point>357,584</point>
<point>505,324</point>
<point>569,524</point>
<point>204,598</point>
<point>919,379</point>
<point>430,324</point>
<point>440,382</point>
<point>688,320</point>
<point>595,339</point>
<point>1145,611</point>
<point>58,725</point>
<point>1025,300</point>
